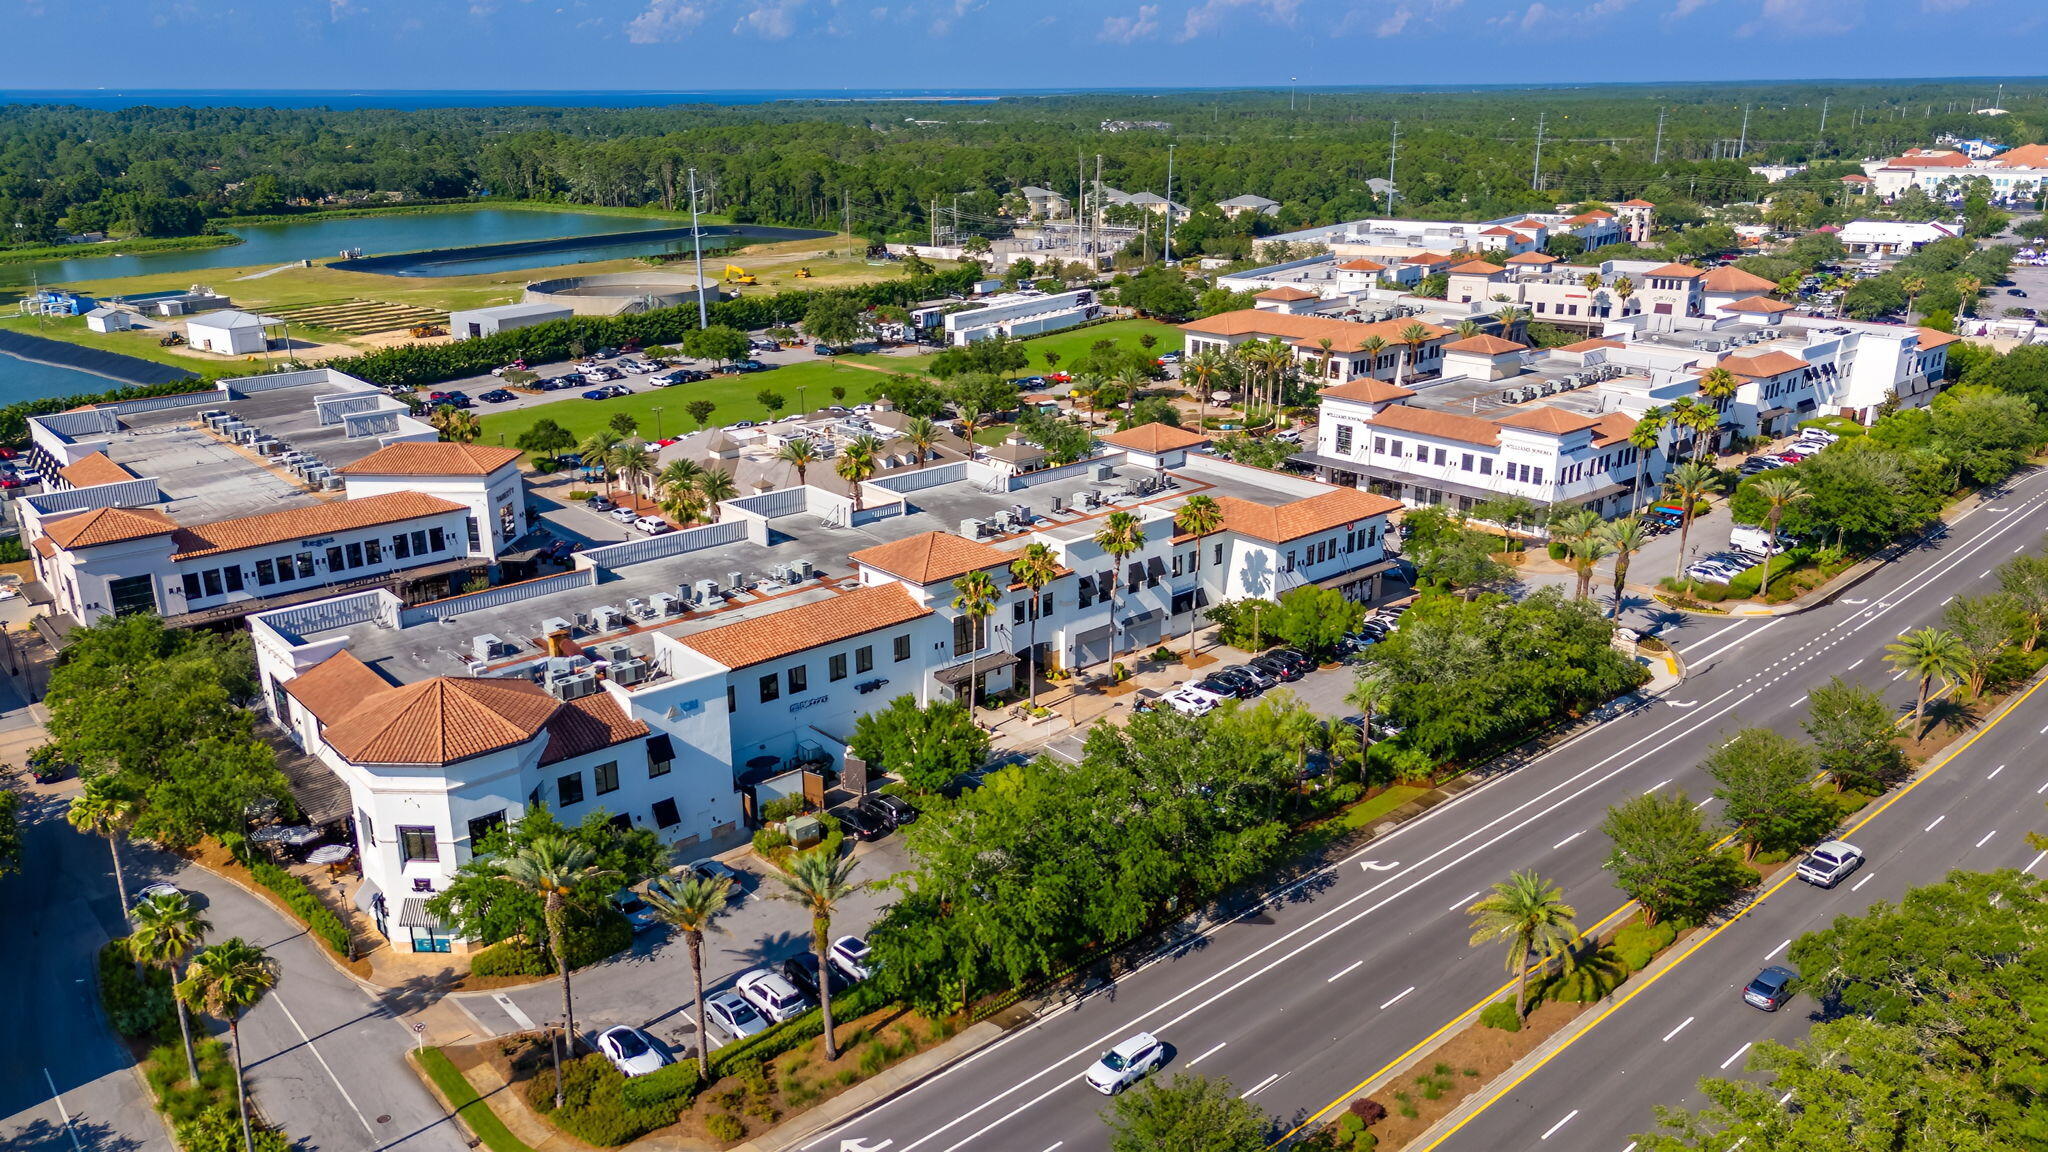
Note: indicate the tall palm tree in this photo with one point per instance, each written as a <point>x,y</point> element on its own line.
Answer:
<point>1928,655</point>
<point>1199,516</point>
<point>1719,384</point>
<point>1573,529</point>
<point>1967,288</point>
<point>1412,337</point>
<point>167,929</point>
<point>1586,552</point>
<point>596,451</point>
<point>1914,286</point>
<point>922,435</point>
<point>683,504</point>
<point>1121,535</point>
<point>678,474</point>
<point>1367,694</point>
<point>1779,493</point>
<point>1374,347</point>
<point>224,982</point>
<point>555,868</point>
<point>1644,438</point>
<point>975,595</point>
<point>1705,421</point>
<point>1530,914</point>
<point>632,463</point>
<point>1625,537</point>
<point>818,881</point>
<point>1590,281</point>
<point>1324,347</point>
<point>1085,388</point>
<point>716,485</point>
<point>1132,380</point>
<point>1508,317</point>
<point>690,907</point>
<point>799,454</point>
<point>1688,484</point>
<point>1202,368</point>
<point>98,811</point>
<point>1035,567</point>
<point>857,462</point>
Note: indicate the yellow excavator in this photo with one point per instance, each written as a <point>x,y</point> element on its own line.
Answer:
<point>803,273</point>
<point>734,274</point>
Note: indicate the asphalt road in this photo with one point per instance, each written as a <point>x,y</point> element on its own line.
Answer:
<point>1655,1044</point>
<point>1340,973</point>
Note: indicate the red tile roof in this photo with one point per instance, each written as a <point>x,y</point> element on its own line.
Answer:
<point>1916,158</point>
<point>1277,524</point>
<point>1369,390</point>
<point>1155,438</point>
<point>840,617</point>
<point>1346,334</point>
<point>1442,425</point>
<point>94,468</point>
<point>1729,278</point>
<point>107,526</point>
<point>930,557</point>
<point>1758,304</point>
<point>587,724</point>
<point>1532,258</point>
<point>1931,338</point>
<point>441,720</point>
<point>1285,293</point>
<point>1591,344</point>
<point>298,523</point>
<point>1362,265</point>
<point>433,459</point>
<point>1426,258</point>
<point>2025,156</point>
<point>1497,230</point>
<point>1676,271</point>
<point>336,686</point>
<point>1544,418</point>
<point>1635,204</point>
<point>1763,365</point>
<point>1486,344</point>
<point>1613,428</point>
<point>44,548</point>
<point>1477,268</point>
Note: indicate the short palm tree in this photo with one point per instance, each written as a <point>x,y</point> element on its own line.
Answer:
<point>1719,384</point>
<point>818,880</point>
<point>857,462</point>
<point>632,463</point>
<point>167,929</point>
<point>1644,438</point>
<point>1914,286</point>
<point>98,811</point>
<point>1928,655</point>
<point>555,868</point>
<point>975,596</point>
<point>596,450</point>
<point>1122,535</point>
<point>455,425</point>
<point>1586,552</point>
<point>1086,386</point>
<point>1572,529</point>
<point>799,454</point>
<point>690,907</point>
<point>1688,484</point>
<point>716,485</point>
<point>1779,493</point>
<point>678,473</point>
<point>1199,516</point>
<point>1368,693</point>
<point>922,435</point>
<point>1374,347</point>
<point>1468,328</point>
<point>225,981</point>
<point>1625,537</point>
<point>1324,347</point>
<point>1623,289</point>
<point>1035,567</point>
<point>1529,913</point>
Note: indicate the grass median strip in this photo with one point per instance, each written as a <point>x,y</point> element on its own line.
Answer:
<point>462,1096</point>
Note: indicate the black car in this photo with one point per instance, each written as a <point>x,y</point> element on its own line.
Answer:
<point>496,396</point>
<point>898,810</point>
<point>1301,659</point>
<point>860,824</point>
<point>561,550</point>
<point>1231,689</point>
<point>1277,667</point>
<point>1246,686</point>
<point>802,971</point>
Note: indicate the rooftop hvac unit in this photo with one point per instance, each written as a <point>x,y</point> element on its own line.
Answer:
<point>608,618</point>
<point>478,668</point>
<point>636,607</point>
<point>617,652</point>
<point>629,672</point>
<point>706,591</point>
<point>554,624</point>
<point>486,646</point>
<point>667,605</point>
<point>333,483</point>
<point>801,569</point>
<point>970,528</point>
<point>1083,500</point>
<point>573,687</point>
<point>736,580</point>
<point>1105,471</point>
<point>1021,513</point>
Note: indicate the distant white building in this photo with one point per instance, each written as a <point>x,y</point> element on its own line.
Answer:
<point>105,319</point>
<point>231,333</point>
<point>1021,314</point>
<point>474,322</point>
<point>1886,237</point>
<point>1239,205</point>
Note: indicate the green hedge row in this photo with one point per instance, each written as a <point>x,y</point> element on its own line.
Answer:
<point>601,1106</point>
<point>300,898</point>
<point>609,935</point>
<point>137,1005</point>
<point>762,1047</point>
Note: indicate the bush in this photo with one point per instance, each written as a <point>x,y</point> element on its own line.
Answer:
<point>671,1087</point>
<point>1348,1127</point>
<point>11,550</point>
<point>1166,655</point>
<point>1558,549</point>
<point>726,1127</point>
<point>588,944</point>
<point>781,808</point>
<point>1593,978</point>
<point>580,493</point>
<point>857,1001</point>
<point>1638,944</point>
<point>770,843</point>
<point>136,1006</point>
<point>1501,1014</point>
<point>220,1130</point>
<point>306,905</point>
<point>595,1105</point>
<point>1370,1111</point>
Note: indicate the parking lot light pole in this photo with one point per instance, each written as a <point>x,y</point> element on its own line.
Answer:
<point>657,421</point>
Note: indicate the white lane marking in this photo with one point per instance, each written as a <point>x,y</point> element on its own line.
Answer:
<point>1852,667</point>
<point>1376,866</point>
<point>1056,1144</point>
<point>2020,549</point>
<point>1347,971</point>
<point>1561,1123</point>
<point>1722,632</point>
<point>1899,673</point>
<point>1657,785</point>
<point>323,1064</point>
<point>1987,838</point>
<point>1396,1000</point>
<point>57,1098</point>
<point>1568,839</point>
<point>1254,1089</point>
<point>1995,772</point>
<point>1783,1100</point>
<point>2041,789</point>
<point>524,1021</point>
<point>1862,882</point>
<point>1703,803</point>
<point>1206,1055</point>
<point>1945,601</point>
<point>2044,729</point>
<point>1937,820</point>
<point>1984,573</point>
<point>1465,902</point>
<point>1631,1147</point>
<point>1702,660</point>
<point>1680,1028</point>
<point>2036,860</point>
<point>1737,1056</point>
<point>1778,949</point>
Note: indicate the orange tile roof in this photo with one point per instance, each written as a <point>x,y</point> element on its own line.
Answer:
<point>1530,222</point>
<point>1856,178</point>
<point>1345,334</point>
<point>1154,438</point>
<point>1544,418</point>
<point>336,686</point>
<point>1678,271</point>
<point>1426,258</point>
<point>1916,158</point>
<point>1729,278</point>
<point>298,523</point>
<point>1635,204</point>
<point>1497,230</point>
<point>1486,344</point>
<point>107,526</point>
<point>1532,258</point>
<point>441,720</point>
<point>587,724</point>
<point>1362,265</point>
<point>94,468</point>
<point>1931,338</point>
<point>1277,524</point>
<point>1285,293</point>
<point>841,617</point>
<point>1762,304</point>
<point>1442,425</point>
<point>1764,364</point>
<point>2025,156</point>
<point>44,548</point>
<point>930,557</point>
<point>433,459</point>
<point>1613,428</point>
<point>1368,390</point>
<point>1591,344</point>
<point>1477,268</point>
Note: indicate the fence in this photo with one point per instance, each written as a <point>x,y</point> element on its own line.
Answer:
<point>292,624</point>
<point>493,597</point>
<point>667,544</point>
<point>119,494</point>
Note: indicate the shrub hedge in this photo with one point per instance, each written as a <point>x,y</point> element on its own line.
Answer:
<point>588,944</point>
<point>1638,944</point>
<point>597,1107</point>
<point>300,898</point>
<point>137,1006</point>
<point>1501,1014</point>
<point>762,1047</point>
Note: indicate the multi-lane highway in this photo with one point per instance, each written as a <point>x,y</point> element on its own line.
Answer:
<point>1343,973</point>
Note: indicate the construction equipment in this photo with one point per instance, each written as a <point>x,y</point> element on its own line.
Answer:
<point>422,331</point>
<point>172,340</point>
<point>734,274</point>
<point>803,273</point>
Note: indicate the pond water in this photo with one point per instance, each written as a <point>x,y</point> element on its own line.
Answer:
<point>28,380</point>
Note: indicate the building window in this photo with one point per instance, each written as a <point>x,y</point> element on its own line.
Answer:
<point>401,546</point>
<point>437,540</point>
<point>366,831</point>
<point>1439,457</point>
<point>835,668</point>
<point>864,658</point>
<point>191,585</point>
<point>1344,439</point>
<point>476,539</point>
<point>607,776</point>
<point>771,687</point>
<point>1379,443</point>
<point>131,594</point>
<point>967,635</point>
<point>483,826</point>
<point>373,551</point>
<point>355,555</point>
<point>1465,465</point>
<point>732,699</point>
<point>799,679</point>
<point>416,845</point>
<point>665,815</point>
<point>334,558</point>
<point>419,543</point>
<point>266,572</point>
<point>569,789</point>
<point>1486,465</point>
<point>1219,554</point>
<point>902,648</point>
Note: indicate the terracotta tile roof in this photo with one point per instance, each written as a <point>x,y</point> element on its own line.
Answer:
<point>1285,293</point>
<point>1917,158</point>
<point>441,720</point>
<point>1761,304</point>
<point>1762,365</point>
<point>1426,258</point>
<point>1306,330</point>
<point>1931,338</point>
<point>587,724</point>
<point>2025,156</point>
<point>930,557</point>
<point>1497,230</point>
<point>96,468</point>
<point>1545,418</point>
<point>1368,390</point>
<point>1442,425</point>
<point>336,686</point>
<point>1591,344</point>
<point>1362,265</point>
<point>433,459</point>
<point>1530,222</point>
<point>107,526</point>
<point>1635,204</point>
<point>1856,178</point>
<point>44,548</point>
<point>298,523</point>
<point>1485,344</point>
<point>1155,438</point>
<point>841,617</point>
<point>1675,271</point>
<point>1477,268</point>
<point>1589,217</point>
<point>1277,524</point>
<point>1613,428</point>
<point>1729,278</point>
<point>1532,258</point>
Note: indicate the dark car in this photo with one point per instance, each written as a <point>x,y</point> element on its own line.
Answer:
<point>748,366</point>
<point>1260,678</point>
<point>824,350</point>
<point>1277,668</point>
<point>561,550</point>
<point>1230,689</point>
<point>1245,685</point>
<point>802,971</point>
<point>860,824</point>
<point>1771,988</point>
<point>496,396</point>
<point>1301,659</point>
<point>898,810</point>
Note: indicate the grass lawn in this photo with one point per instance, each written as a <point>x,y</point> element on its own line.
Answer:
<point>734,395</point>
<point>1366,812</point>
<point>468,1105</point>
<point>1070,345</point>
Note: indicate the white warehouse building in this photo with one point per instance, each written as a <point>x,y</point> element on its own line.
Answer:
<point>1021,314</point>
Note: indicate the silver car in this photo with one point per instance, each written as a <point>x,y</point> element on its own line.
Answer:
<point>733,1015</point>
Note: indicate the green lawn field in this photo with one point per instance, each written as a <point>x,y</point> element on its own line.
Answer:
<point>1068,345</point>
<point>736,397</point>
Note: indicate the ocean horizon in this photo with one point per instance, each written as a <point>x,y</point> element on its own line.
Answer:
<point>497,98</point>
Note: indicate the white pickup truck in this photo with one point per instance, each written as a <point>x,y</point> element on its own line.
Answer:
<point>1830,862</point>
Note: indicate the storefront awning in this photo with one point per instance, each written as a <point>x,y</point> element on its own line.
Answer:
<point>1346,579</point>
<point>412,913</point>
<point>960,673</point>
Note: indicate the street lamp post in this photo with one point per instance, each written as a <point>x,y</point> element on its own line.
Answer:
<point>657,421</point>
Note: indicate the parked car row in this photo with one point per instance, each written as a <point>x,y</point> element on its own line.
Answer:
<point>875,816</point>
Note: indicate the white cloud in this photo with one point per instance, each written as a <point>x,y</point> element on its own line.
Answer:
<point>1804,18</point>
<point>774,20</point>
<point>1211,14</point>
<point>1141,25</point>
<point>1684,8</point>
<point>336,9</point>
<point>1394,23</point>
<point>664,20</point>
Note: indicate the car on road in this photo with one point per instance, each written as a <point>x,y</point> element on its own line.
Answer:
<point>652,525</point>
<point>2020,292</point>
<point>624,515</point>
<point>599,504</point>
<point>1829,862</point>
<point>733,1015</point>
<point>850,954</point>
<point>515,366</point>
<point>1192,700</point>
<point>1714,571</point>
<point>747,366</point>
<point>802,971</point>
<point>896,808</point>
<point>631,1051</point>
<point>447,400</point>
<point>777,998</point>
<point>497,396</point>
<point>861,825</point>
<point>1126,1064</point>
<point>160,888</point>
<point>1771,988</point>
<point>824,350</point>
<point>638,914</point>
<point>1169,358</point>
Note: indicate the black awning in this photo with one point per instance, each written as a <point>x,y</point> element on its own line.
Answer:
<point>960,673</point>
<point>1155,568</point>
<point>660,748</point>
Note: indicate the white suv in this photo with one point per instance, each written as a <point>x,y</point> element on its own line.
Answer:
<point>1125,1064</point>
<point>1829,863</point>
<point>1189,700</point>
<point>777,998</point>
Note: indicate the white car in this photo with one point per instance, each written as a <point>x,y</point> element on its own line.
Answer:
<point>652,525</point>
<point>1827,864</point>
<point>636,367</point>
<point>733,1015</point>
<point>1714,571</point>
<point>631,1051</point>
<point>1189,700</point>
<point>777,998</point>
<point>160,888</point>
<point>850,955</point>
<point>624,515</point>
<point>1126,1064</point>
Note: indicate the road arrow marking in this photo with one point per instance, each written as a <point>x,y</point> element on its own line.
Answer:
<point>1376,866</point>
<point>857,1145</point>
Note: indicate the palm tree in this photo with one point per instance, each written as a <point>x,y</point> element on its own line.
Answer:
<point>1705,421</point>
<point>690,906</point>
<point>975,596</point>
<point>596,451</point>
<point>1202,368</point>
<point>1914,286</point>
<point>972,416</point>
<point>1122,535</point>
<point>1412,336</point>
<point>716,485</point>
<point>1324,347</point>
<point>818,881</point>
<point>1468,328</point>
<point>1644,438</point>
<point>1275,357</point>
<point>1586,552</point>
<point>555,868</point>
<point>1590,281</point>
<point>1035,567</point>
<point>922,435</point>
<point>1625,537</point>
<point>455,425</point>
<point>799,454</point>
<point>1374,347</point>
<point>1967,288</point>
<point>1718,384</point>
<point>1529,913</point>
<point>682,504</point>
<point>167,929</point>
<point>1688,484</point>
<point>97,811</point>
<point>632,463</point>
<point>1780,493</point>
<point>1623,289</point>
<point>224,982</point>
<point>1085,387</point>
<point>857,462</point>
<point>1199,516</point>
<point>1928,655</point>
<point>679,474</point>
<point>1368,692</point>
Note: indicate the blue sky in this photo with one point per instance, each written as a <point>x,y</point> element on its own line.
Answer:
<point>825,44</point>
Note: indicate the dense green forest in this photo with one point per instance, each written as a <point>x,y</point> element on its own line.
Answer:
<point>1471,154</point>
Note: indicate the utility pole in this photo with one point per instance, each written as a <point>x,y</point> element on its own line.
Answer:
<point>1393,150</point>
<point>933,216</point>
<point>1290,92</point>
<point>1536,175</point>
<point>1742,146</point>
<point>1657,150</point>
<point>697,242</point>
<point>1095,245</point>
<point>1821,141</point>
<point>1168,257</point>
<point>846,207</point>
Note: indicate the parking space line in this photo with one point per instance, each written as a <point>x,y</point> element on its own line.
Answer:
<point>1561,1123</point>
<point>1736,1056</point>
<point>1680,1028</point>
